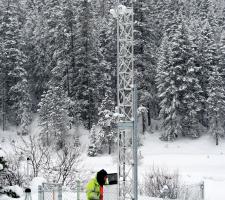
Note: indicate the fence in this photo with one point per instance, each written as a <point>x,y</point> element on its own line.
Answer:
<point>191,192</point>
<point>55,192</point>
<point>51,191</point>
<point>77,193</point>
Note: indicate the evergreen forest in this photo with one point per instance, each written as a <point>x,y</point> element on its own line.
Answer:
<point>58,60</point>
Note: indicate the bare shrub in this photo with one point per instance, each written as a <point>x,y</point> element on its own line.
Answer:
<point>31,148</point>
<point>63,165</point>
<point>13,175</point>
<point>160,183</point>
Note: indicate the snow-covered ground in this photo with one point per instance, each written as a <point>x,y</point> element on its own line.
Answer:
<point>195,160</point>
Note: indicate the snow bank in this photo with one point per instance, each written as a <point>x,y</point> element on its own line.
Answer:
<point>195,160</point>
<point>2,154</point>
<point>16,189</point>
<point>34,186</point>
<point>4,197</point>
<point>214,190</point>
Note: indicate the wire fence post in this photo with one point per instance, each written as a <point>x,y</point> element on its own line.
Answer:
<point>40,191</point>
<point>78,190</point>
<point>60,192</point>
<point>202,190</point>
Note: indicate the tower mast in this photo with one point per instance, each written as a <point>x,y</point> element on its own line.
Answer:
<point>127,103</point>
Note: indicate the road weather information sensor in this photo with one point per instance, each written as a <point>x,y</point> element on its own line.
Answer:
<point>110,191</point>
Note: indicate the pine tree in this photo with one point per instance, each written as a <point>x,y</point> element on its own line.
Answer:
<point>204,9</point>
<point>3,163</point>
<point>192,91</point>
<point>153,28</point>
<point>167,93</point>
<point>222,53</point>
<point>106,51</point>
<point>11,57</point>
<point>162,78</point>
<point>142,112</point>
<point>85,94</point>
<point>145,37</point>
<point>45,33</point>
<point>178,86</point>
<point>3,171</point>
<point>216,102</point>
<point>93,146</point>
<point>107,55</point>
<point>44,113</point>
<point>204,59</point>
<point>107,123</point>
<point>21,95</point>
<point>70,14</point>
<point>54,116</point>
<point>216,91</point>
<point>35,37</point>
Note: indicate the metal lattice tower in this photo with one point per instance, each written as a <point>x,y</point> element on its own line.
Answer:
<point>125,63</point>
<point>126,102</point>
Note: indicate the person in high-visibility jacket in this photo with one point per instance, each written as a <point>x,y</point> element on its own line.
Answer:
<point>94,188</point>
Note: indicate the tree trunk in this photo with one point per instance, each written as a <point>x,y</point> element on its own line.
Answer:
<point>217,136</point>
<point>110,148</point>
<point>89,110</point>
<point>149,115</point>
<point>143,123</point>
<point>4,107</point>
<point>217,139</point>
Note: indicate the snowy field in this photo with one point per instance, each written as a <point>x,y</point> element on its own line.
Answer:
<point>195,160</point>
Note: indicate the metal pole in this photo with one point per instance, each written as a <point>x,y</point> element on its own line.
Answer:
<point>124,164</point>
<point>60,192</point>
<point>40,196</point>
<point>134,145</point>
<point>202,190</point>
<point>120,191</point>
<point>43,192</point>
<point>118,165</point>
<point>28,172</point>
<point>53,193</point>
<point>78,190</point>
